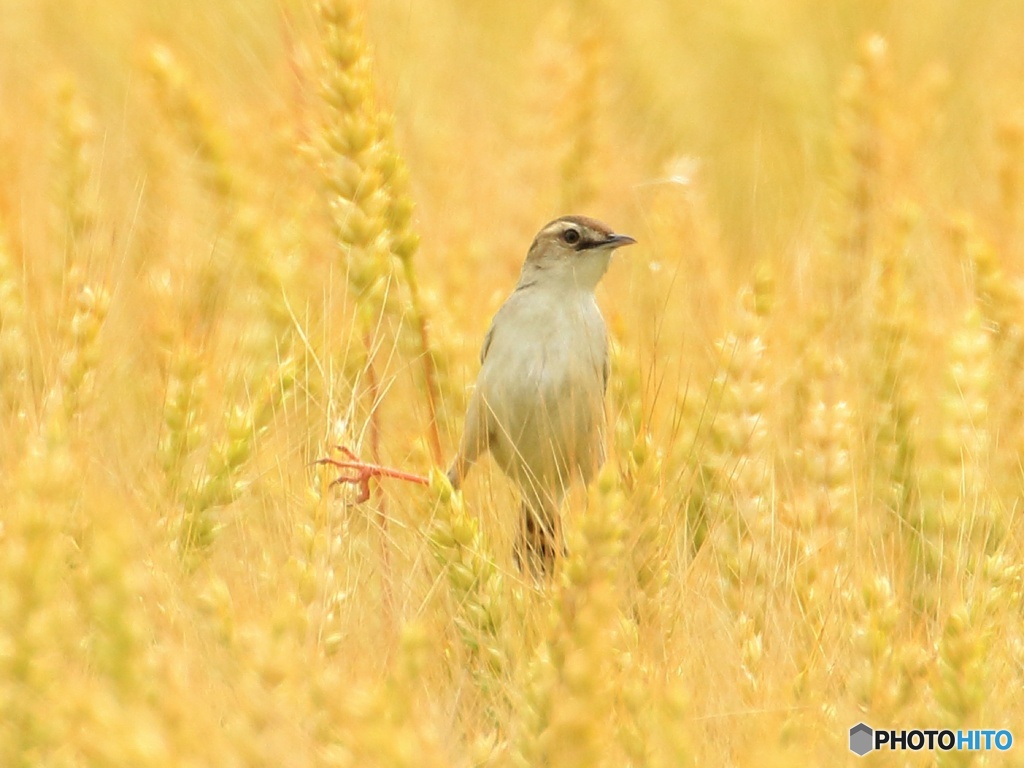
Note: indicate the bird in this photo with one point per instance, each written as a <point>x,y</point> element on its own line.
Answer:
<point>538,404</point>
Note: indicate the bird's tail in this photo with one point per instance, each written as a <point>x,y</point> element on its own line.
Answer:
<point>540,540</point>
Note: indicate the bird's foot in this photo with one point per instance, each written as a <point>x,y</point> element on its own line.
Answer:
<point>359,473</point>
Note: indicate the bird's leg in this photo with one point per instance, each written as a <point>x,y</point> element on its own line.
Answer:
<point>540,541</point>
<point>362,473</point>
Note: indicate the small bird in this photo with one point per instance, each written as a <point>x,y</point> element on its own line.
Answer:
<point>538,406</point>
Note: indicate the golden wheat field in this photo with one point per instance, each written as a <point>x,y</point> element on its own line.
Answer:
<point>239,236</point>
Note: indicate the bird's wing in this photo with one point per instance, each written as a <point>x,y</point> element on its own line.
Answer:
<point>476,439</point>
<point>494,324</point>
<point>606,358</point>
<point>510,302</point>
<point>487,342</point>
<point>477,432</point>
<point>607,370</point>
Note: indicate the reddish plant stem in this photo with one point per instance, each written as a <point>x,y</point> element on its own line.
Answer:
<point>429,368</point>
<point>430,374</point>
<point>375,435</point>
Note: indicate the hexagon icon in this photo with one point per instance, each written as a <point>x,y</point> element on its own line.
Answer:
<point>862,739</point>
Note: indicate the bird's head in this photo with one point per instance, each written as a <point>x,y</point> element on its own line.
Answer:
<point>572,249</point>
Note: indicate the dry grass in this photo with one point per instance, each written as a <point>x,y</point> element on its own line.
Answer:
<point>235,234</point>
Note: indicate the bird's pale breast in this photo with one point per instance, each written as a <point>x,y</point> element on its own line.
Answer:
<point>543,384</point>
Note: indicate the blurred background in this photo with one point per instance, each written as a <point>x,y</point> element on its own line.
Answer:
<point>752,90</point>
<point>235,234</point>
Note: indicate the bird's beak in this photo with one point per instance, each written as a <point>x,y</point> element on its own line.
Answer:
<point>617,241</point>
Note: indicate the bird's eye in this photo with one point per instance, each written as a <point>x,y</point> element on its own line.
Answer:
<point>571,236</point>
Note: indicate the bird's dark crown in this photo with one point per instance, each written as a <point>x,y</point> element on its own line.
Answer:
<point>579,233</point>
